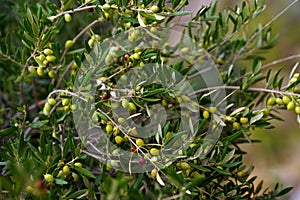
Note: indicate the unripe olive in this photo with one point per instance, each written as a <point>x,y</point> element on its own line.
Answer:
<point>51,74</point>
<point>51,58</point>
<point>32,69</point>
<point>136,56</point>
<point>78,164</point>
<point>48,51</point>
<point>91,43</point>
<point>293,80</point>
<point>119,139</point>
<point>125,103</point>
<point>236,126</point>
<point>296,75</point>
<point>66,169</point>
<point>116,131</point>
<point>290,106</point>
<point>47,106</point>
<point>29,189</point>
<point>106,16</point>
<point>266,112</point>
<point>40,71</point>
<point>108,128</point>
<point>52,101</point>
<point>106,6</point>
<point>121,120</point>
<point>73,107</point>
<point>297,110</point>
<point>68,17</point>
<point>154,151</point>
<point>185,166</point>
<point>279,101</point>
<point>271,101</point>
<point>228,119</point>
<point>244,120</point>
<point>69,43</point>
<point>212,109</point>
<point>296,89</point>
<point>286,99</point>
<point>206,114</point>
<point>169,134</point>
<point>96,37</point>
<point>65,102</point>
<point>131,107</point>
<point>164,103</point>
<point>154,9</point>
<point>41,57</point>
<point>49,178</point>
<point>140,142</point>
<point>185,50</point>
<point>67,108</point>
<point>45,62</point>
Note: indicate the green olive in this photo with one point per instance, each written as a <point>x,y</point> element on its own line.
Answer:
<point>68,17</point>
<point>286,99</point>
<point>140,142</point>
<point>154,151</point>
<point>52,101</point>
<point>290,106</point>
<point>108,128</point>
<point>131,107</point>
<point>69,44</point>
<point>50,58</point>
<point>48,51</point>
<point>297,110</point>
<point>206,114</point>
<point>49,178</point>
<point>40,71</point>
<point>66,169</point>
<point>236,125</point>
<point>51,74</point>
<point>32,69</point>
<point>119,139</point>
<point>244,120</point>
<point>271,101</point>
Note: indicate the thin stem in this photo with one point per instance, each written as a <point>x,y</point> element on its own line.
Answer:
<point>227,87</point>
<point>67,92</point>
<point>261,29</point>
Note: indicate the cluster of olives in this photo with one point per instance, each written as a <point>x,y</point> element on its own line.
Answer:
<point>43,59</point>
<point>66,105</point>
<point>291,103</point>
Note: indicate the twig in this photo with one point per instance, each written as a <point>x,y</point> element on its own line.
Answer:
<point>227,87</point>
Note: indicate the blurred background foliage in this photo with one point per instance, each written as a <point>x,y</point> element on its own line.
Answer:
<point>276,157</point>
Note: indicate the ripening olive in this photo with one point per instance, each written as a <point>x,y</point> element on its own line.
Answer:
<point>119,139</point>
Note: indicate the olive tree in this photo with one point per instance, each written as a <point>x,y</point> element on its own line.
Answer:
<point>122,99</point>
